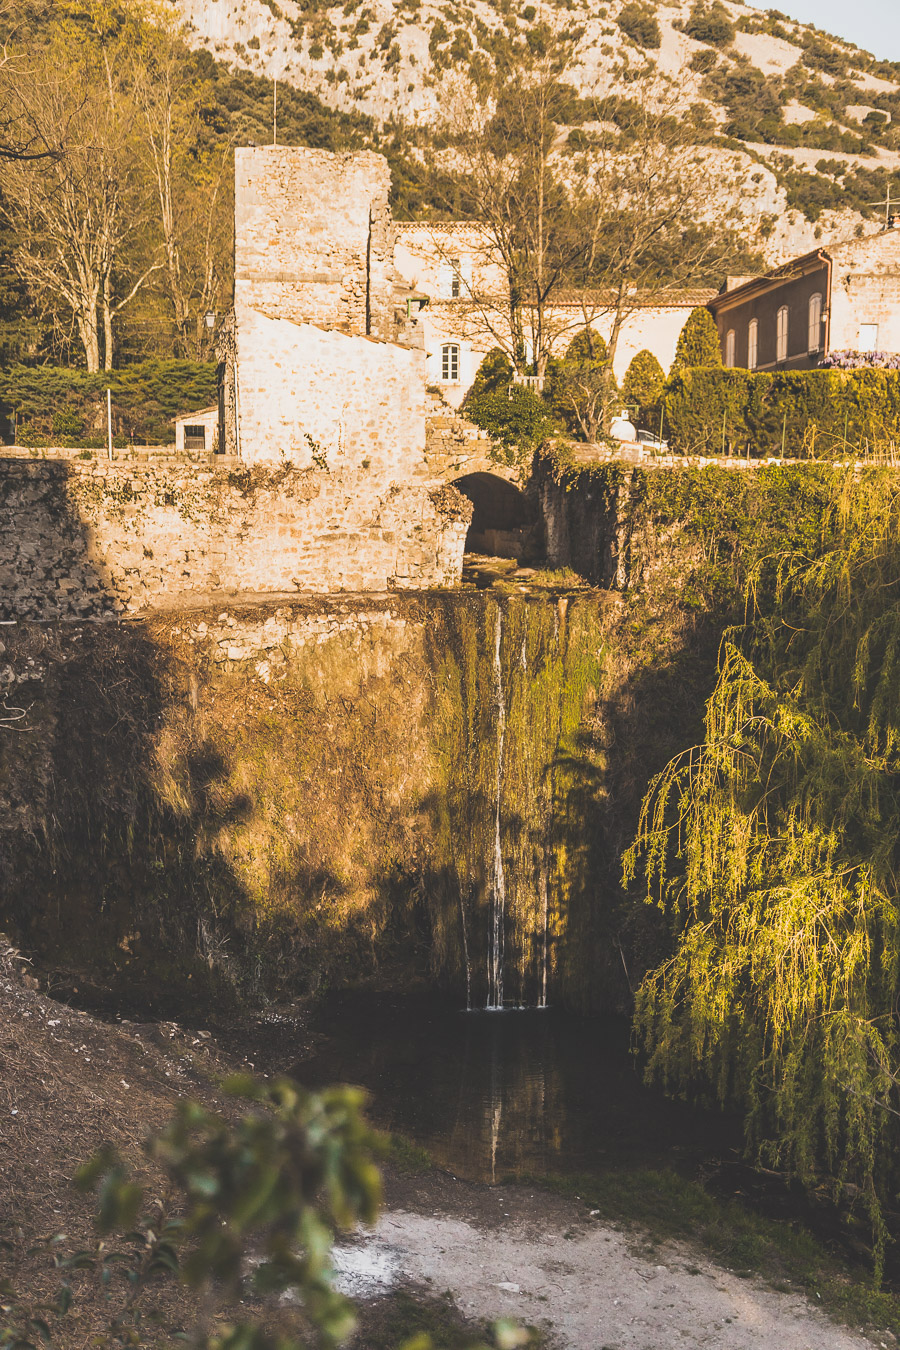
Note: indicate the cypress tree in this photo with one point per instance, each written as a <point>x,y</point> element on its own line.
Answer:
<point>643,385</point>
<point>698,342</point>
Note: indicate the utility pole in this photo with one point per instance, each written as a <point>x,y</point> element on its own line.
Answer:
<point>109,435</point>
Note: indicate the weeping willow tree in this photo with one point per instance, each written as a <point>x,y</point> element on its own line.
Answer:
<point>775,847</point>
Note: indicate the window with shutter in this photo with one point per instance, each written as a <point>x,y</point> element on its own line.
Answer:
<point>815,323</point>
<point>752,344</point>
<point>781,338</point>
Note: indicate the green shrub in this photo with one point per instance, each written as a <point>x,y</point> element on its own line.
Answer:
<point>710,23</point>
<point>53,404</point>
<point>515,417</point>
<point>580,388</point>
<point>807,413</point>
<point>495,373</point>
<point>638,22</point>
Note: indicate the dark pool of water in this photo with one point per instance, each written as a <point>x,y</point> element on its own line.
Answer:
<point>496,1094</point>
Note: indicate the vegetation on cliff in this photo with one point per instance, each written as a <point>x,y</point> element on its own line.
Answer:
<point>772,846</point>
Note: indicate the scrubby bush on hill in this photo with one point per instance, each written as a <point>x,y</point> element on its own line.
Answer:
<point>638,22</point>
<point>710,23</point>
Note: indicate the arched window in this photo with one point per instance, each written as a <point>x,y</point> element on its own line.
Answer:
<point>752,344</point>
<point>450,362</point>
<point>815,323</point>
<point>729,347</point>
<point>781,337</point>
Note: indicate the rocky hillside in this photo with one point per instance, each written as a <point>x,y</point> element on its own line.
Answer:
<point>812,117</point>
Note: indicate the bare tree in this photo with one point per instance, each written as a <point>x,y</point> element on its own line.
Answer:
<point>579,231</point>
<point>194,217</point>
<point>502,141</point>
<point>74,211</point>
<point>654,205</point>
<point>21,139</point>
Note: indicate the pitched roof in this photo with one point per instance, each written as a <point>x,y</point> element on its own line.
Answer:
<point>664,298</point>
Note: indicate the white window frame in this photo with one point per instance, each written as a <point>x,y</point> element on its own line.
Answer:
<point>782,333</point>
<point>455,278</point>
<point>729,348</point>
<point>814,340</point>
<point>868,337</point>
<point>752,344</point>
<point>450,363</point>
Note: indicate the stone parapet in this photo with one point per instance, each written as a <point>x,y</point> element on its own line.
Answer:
<point>82,539</point>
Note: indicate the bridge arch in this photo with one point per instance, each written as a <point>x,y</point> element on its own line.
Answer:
<point>502,519</point>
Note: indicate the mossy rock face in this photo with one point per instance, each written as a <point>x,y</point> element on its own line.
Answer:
<point>317,813</point>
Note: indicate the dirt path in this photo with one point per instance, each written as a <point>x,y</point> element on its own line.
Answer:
<point>545,1262</point>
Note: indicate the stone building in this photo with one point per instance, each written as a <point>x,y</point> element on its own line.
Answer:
<point>320,360</point>
<point>322,366</point>
<point>842,298</point>
<point>457,288</point>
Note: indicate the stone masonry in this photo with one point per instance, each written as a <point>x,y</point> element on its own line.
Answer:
<point>865,289</point>
<point>313,240</point>
<point>324,374</point>
<point>93,539</point>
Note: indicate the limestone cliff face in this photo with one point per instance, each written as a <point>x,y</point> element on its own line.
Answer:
<point>397,60</point>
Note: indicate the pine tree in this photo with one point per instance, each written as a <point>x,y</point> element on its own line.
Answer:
<point>698,342</point>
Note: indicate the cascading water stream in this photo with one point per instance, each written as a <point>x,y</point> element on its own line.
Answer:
<point>545,904</point>
<point>498,880</point>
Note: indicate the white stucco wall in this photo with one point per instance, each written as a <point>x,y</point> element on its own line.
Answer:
<point>422,254</point>
<point>208,418</point>
<point>654,329</point>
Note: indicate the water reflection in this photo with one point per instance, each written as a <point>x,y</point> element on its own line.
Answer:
<point>496,1094</point>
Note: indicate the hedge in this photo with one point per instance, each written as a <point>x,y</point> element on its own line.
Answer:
<point>50,405</point>
<point>809,413</point>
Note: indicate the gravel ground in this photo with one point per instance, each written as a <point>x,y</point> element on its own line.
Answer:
<point>582,1283</point>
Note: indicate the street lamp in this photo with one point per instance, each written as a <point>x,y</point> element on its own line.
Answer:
<point>210,317</point>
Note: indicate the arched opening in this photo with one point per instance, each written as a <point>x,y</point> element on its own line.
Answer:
<point>502,521</point>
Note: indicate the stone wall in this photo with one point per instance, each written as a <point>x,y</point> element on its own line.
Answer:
<point>259,798</point>
<point>96,539</point>
<point>312,237</point>
<point>303,393</point>
<point>865,289</point>
<point>586,522</point>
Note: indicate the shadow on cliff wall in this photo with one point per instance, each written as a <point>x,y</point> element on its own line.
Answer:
<point>557,932</point>
<point>101,880</point>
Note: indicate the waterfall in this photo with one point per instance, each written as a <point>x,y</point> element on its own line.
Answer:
<point>545,899</point>
<point>498,880</point>
<point>465,943</point>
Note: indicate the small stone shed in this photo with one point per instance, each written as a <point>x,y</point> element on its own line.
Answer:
<point>199,431</point>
